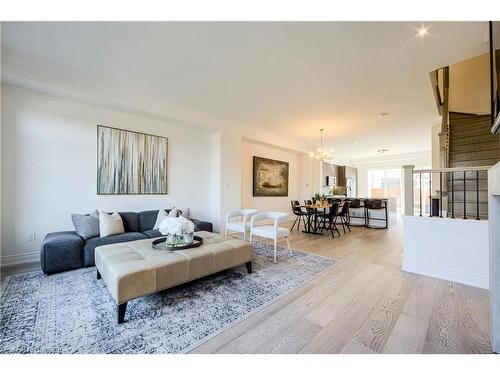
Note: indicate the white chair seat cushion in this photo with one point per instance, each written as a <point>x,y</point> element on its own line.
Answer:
<point>268,231</point>
<point>238,226</point>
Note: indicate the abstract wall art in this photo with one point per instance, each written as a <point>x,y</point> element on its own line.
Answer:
<point>270,177</point>
<point>129,162</point>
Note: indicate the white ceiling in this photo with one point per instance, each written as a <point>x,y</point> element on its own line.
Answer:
<point>291,78</point>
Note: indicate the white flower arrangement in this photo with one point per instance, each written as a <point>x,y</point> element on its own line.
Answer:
<point>177,226</point>
<point>178,230</point>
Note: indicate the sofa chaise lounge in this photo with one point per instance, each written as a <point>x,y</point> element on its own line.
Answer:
<point>63,251</point>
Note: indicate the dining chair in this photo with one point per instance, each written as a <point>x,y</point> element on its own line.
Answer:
<point>239,226</point>
<point>330,219</point>
<point>299,213</point>
<point>309,202</point>
<point>344,215</point>
<point>375,205</point>
<point>271,231</point>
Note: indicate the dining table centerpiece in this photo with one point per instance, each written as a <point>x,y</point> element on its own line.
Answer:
<point>178,230</point>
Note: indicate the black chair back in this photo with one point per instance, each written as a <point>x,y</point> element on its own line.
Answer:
<point>345,208</point>
<point>374,204</point>
<point>333,210</point>
<point>308,201</point>
<point>355,203</point>
<point>295,207</point>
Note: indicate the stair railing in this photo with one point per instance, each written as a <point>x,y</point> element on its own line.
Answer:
<point>418,190</point>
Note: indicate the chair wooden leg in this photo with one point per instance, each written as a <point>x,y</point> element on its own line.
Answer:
<point>293,225</point>
<point>275,248</point>
<point>289,247</point>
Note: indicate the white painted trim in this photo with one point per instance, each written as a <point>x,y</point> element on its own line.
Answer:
<point>447,274</point>
<point>18,259</point>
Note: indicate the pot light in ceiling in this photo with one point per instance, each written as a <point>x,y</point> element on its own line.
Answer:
<point>382,151</point>
<point>422,31</point>
<point>383,115</point>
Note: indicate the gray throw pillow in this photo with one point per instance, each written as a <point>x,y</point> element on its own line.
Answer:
<point>86,226</point>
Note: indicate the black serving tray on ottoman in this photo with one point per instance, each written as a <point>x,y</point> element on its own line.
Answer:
<point>161,244</point>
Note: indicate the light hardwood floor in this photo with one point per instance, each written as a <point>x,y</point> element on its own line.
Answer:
<point>364,304</point>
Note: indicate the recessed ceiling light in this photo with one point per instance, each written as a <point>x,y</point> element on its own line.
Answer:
<point>383,115</point>
<point>382,151</point>
<point>356,143</point>
<point>422,31</point>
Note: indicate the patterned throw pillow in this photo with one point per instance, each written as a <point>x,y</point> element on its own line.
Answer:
<point>162,214</point>
<point>110,224</point>
<point>86,226</point>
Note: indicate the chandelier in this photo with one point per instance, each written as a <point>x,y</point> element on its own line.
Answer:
<point>319,153</point>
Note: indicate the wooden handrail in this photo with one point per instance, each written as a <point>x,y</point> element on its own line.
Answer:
<point>459,169</point>
<point>435,89</point>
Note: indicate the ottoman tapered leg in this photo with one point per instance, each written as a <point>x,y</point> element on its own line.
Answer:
<point>120,310</point>
<point>98,274</point>
<point>249,266</point>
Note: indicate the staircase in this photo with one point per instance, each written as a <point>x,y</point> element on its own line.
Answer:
<point>471,144</point>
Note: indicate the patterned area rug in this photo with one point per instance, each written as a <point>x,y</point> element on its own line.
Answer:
<point>72,312</point>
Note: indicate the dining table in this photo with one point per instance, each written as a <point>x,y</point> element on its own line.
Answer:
<point>312,226</point>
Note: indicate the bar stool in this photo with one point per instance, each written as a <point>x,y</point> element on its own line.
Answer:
<point>375,205</point>
<point>359,211</point>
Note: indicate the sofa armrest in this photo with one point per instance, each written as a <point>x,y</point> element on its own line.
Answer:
<point>200,225</point>
<point>61,251</point>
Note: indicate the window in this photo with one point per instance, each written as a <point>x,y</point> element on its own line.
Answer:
<point>385,183</point>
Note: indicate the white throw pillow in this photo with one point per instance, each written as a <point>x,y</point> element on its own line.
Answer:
<point>110,224</point>
<point>174,212</point>
<point>162,214</point>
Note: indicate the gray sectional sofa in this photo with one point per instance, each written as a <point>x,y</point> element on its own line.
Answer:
<point>63,251</point>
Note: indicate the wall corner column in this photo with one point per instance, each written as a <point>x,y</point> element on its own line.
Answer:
<point>408,189</point>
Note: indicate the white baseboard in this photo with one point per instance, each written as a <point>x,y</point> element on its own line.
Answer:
<point>15,260</point>
<point>478,281</point>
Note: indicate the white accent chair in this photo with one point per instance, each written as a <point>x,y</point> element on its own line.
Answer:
<point>240,226</point>
<point>272,231</point>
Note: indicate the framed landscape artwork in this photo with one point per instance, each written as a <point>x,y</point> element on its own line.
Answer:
<point>270,177</point>
<point>129,162</point>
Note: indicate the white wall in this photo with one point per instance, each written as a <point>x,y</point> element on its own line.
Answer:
<point>49,167</point>
<point>451,249</point>
<point>470,85</point>
<point>297,179</point>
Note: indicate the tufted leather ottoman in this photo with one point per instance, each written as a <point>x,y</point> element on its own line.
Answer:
<point>134,269</point>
